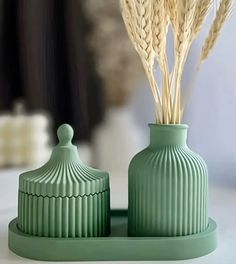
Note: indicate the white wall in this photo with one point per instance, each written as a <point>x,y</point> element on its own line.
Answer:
<point>212,110</point>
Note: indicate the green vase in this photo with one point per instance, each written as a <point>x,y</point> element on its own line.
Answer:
<point>168,186</point>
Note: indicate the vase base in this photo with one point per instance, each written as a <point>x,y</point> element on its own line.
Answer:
<point>117,247</point>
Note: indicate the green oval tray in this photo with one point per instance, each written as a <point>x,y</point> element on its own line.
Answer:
<point>117,247</point>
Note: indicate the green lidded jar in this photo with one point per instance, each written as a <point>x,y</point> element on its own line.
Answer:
<point>64,198</point>
<point>168,186</point>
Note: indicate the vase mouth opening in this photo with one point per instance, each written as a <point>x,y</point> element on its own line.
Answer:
<point>165,135</point>
<point>169,126</point>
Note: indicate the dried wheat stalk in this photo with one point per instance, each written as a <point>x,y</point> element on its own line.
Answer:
<point>137,14</point>
<point>147,23</point>
<point>126,10</point>
<point>183,41</point>
<point>223,13</point>
<point>159,29</point>
<point>160,24</point>
<point>172,11</point>
<point>203,7</point>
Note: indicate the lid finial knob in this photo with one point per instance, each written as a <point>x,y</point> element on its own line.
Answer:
<point>65,134</point>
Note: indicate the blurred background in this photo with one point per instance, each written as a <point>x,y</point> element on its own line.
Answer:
<point>70,61</point>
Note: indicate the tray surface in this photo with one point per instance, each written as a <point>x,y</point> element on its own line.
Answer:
<point>117,247</point>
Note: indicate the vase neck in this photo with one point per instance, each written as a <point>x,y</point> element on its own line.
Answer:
<point>165,135</point>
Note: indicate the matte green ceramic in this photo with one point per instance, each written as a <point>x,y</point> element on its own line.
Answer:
<point>168,186</point>
<point>64,198</point>
<point>116,247</point>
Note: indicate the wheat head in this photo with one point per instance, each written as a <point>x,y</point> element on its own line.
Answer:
<point>136,15</point>
<point>159,29</point>
<point>185,19</point>
<point>144,29</point>
<point>172,11</point>
<point>202,9</point>
<point>222,14</point>
<point>127,14</point>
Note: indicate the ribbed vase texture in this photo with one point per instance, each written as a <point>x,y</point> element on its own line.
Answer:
<point>168,186</point>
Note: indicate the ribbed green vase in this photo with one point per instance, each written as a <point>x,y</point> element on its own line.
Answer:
<point>64,198</point>
<point>168,186</point>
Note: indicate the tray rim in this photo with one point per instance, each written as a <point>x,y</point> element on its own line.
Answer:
<point>116,248</point>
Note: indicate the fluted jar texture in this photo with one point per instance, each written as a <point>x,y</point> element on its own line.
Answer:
<point>65,197</point>
<point>168,186</point>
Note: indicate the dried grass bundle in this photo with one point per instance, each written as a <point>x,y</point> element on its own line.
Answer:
<point>147,23</point>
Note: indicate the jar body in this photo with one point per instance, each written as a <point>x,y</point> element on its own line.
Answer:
<point>65,217</point>
<point>168,186</point>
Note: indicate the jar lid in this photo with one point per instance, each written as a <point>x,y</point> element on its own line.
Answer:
<point>64,175</point>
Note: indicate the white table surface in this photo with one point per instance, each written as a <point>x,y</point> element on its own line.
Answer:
<point>222,208</point>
